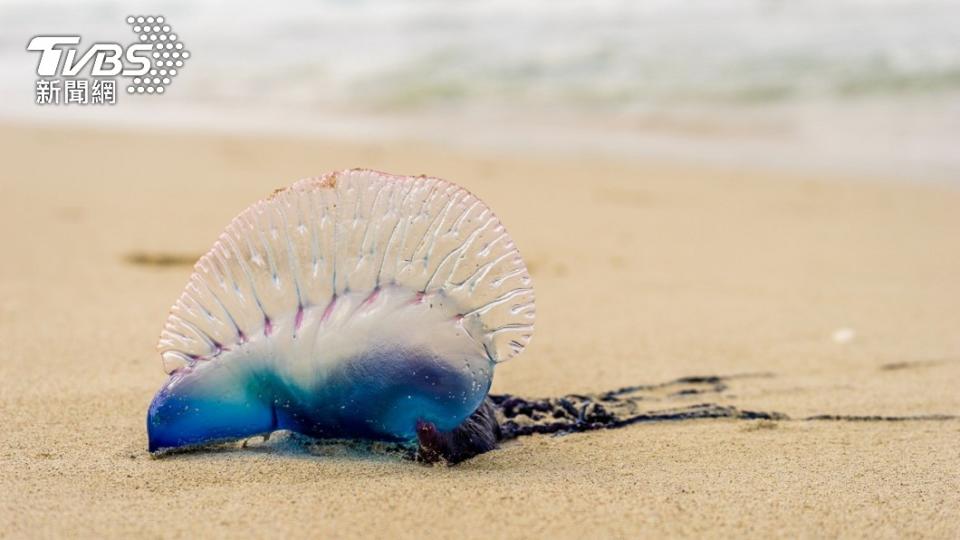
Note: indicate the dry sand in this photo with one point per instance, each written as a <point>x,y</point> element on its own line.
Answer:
<point>644,273</point>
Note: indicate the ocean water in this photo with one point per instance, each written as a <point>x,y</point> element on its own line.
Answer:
<point>843,85</point>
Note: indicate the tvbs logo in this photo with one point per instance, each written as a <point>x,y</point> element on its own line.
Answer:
<point>150,63</point>
<point>107,57</point>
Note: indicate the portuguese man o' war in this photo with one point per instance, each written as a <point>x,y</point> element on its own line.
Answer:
<point>356,305</point>
<point>362,305</point>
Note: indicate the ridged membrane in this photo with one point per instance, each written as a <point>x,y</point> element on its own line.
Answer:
<point>353,231</point>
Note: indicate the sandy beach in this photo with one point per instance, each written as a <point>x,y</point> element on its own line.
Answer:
<point>814,295</point>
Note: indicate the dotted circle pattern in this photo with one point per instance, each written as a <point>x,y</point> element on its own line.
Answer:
<point>168,53</point>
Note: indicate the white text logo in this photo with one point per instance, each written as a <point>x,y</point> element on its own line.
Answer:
<point>150,63</point>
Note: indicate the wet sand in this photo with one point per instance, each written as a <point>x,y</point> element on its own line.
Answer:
<point>840,297</point>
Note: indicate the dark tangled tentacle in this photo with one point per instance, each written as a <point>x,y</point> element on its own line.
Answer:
<point>503,416</point>
<point>574,413</point>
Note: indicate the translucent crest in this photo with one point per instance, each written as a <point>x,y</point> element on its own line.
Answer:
<point>353,232</point>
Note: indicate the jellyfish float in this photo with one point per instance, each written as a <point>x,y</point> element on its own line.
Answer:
<point>356,305</point>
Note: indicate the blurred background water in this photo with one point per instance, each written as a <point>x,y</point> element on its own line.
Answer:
<point>850,86</point>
